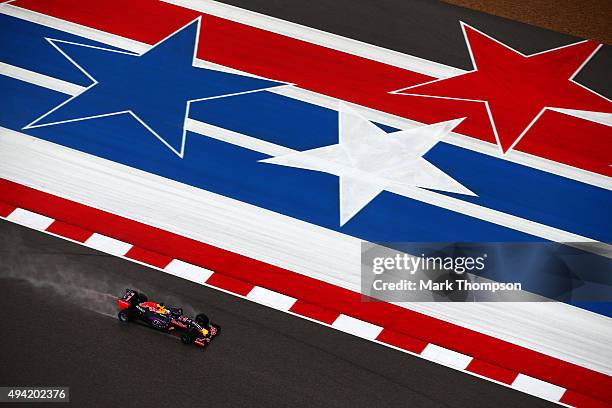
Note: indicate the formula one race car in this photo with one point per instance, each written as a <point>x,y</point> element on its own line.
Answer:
<point>134,306</point>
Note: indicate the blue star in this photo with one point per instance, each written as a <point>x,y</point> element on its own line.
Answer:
<point>156,88</point>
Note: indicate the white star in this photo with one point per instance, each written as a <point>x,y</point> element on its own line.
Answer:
<point>368,161</point>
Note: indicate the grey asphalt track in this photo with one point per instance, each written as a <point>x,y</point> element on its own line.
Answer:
<point>59,328</point>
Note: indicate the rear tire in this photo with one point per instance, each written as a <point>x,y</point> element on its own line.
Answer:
<point>142,297</point>
<point>124,316</point>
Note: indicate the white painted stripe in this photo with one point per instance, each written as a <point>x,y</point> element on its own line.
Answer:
<point>539,388</point>
<point>598,117</point>
<point>40,79</point>
<point>107,244</point>
<point>357,327</point>
<point>188,271</point>
<point>556,329</point>
<point>76,29</point>
<point>560,169</point>
<point>271,298</point>
<point>319,37</point>
<point>446,357</point>
<point>30,219</point>
<point>237,139</point>
<point>300,94</point>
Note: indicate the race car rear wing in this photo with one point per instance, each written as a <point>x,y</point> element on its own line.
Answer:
<point>128,300</point>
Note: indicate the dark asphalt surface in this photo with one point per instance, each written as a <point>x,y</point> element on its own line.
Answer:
<point>59,328</point>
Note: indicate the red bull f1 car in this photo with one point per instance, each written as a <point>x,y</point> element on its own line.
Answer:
<point>135,307</point>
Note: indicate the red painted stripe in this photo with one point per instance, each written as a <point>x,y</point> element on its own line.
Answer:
<point>555,137</point>
<point>402,341</point>
<point>69,231</point>
<point>492,371</point>
<point>230,267</point>
<point>580,401</point>
<point>314,312</point>
<point>326,71</point>
<point>228,283</point>
<point>6,209</point>
<point>148,257</point>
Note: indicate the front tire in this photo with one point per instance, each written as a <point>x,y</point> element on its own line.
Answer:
<point>124,316</point>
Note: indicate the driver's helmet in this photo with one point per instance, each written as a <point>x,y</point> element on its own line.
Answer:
<point>161,309</point>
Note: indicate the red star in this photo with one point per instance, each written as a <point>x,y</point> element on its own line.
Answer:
<point>517,88</point>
